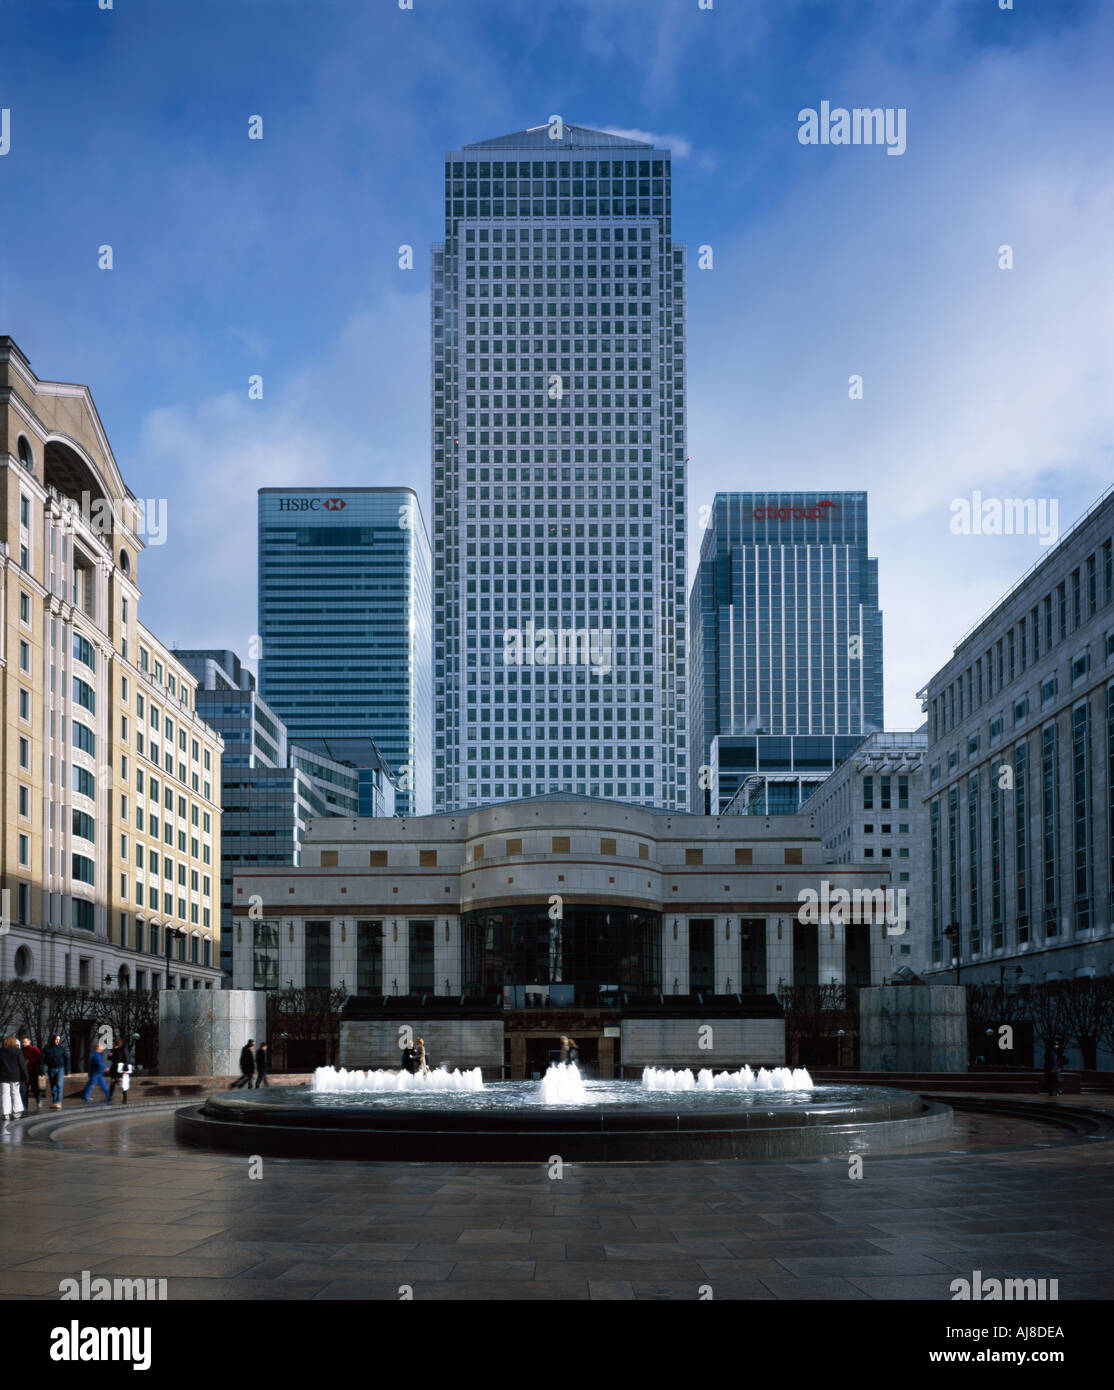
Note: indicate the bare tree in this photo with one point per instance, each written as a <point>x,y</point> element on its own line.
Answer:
<point>815,1014</point>
<point>308,1016</point>
<point>1087,1006</point>
<point>1045,1006</point>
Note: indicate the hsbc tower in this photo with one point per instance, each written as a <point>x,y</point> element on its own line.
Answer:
<point>344,643</point>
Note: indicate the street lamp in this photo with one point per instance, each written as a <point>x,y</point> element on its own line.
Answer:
<point>170,931</point>
<point>952,933</point>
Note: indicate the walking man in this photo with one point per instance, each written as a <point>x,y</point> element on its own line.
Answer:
<point>97,1067</point>
<point>262,1064</point>
<point>247,1066</point>
<point>56,1059</point>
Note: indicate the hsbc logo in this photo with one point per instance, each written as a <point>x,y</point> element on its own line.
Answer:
<point>312,504</point>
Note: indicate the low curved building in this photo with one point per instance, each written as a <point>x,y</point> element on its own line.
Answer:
<point>627,928</point>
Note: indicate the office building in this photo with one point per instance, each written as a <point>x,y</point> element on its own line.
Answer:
<point>110,846</point>
<point>871,810</point>
<point>344,626</point>
<point>665,919</point>
<point>1020,792</point>
<point>558,473</point>
<point>786,628</point>
<point>270,788</point>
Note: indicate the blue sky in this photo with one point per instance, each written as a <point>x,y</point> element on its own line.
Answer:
<point>280,257</point>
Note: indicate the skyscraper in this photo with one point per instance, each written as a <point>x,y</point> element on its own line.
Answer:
<point>270,789</point>
<point>786,637</point>
<point>558,473</point>
<point>344,622</point>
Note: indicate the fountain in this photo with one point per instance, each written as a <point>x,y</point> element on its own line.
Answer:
<point>669,1115</point>
<point>330,1081</point>
<point>778,1079</point>
<point>562,1085</point>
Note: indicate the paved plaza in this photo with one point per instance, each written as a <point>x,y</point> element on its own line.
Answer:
<point>112,1193</point>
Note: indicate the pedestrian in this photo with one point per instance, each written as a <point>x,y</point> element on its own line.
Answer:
<point>120,1070</point>
<point>56,1059</point>
<point>1052,1068</point>
<point>262,1064</point>
<point>13,1075</point>
<point>570,1051</point>
<point>420,1057</point>
<point>409,1061</point>
<point>247,1066</point>
<point>97,1067</point>
<point>34,1059</point>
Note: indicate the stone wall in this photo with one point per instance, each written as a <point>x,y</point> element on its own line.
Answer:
<point>202,1031</point>
<point>675,1042</point>
<point>457,1042</point>
<point>913,1028</point>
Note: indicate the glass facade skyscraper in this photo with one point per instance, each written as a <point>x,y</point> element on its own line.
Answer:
<point>558,431</point>
<point>344,622</point>
<point>270,788</point>
<point>786,627</point>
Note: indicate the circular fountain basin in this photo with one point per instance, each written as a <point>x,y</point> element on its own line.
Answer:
<point>511,1122</point>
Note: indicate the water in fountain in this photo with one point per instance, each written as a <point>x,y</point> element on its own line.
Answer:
<point>562,1085</point>
<point>779,1079</point>
<point>331,1080</point>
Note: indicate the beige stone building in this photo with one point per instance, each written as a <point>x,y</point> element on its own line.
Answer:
<point>628,928</point>
<point>110,847</point>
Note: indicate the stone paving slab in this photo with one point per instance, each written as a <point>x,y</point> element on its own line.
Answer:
<point>115,1195</point>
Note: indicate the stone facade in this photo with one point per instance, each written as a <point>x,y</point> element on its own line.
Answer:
<point>458,1043</point>
<point>872,809</point>
<point>730,887</point>
<point>201,1033</point>
<point>1020,793</point>
<point>913,1028</point>
<point>717,1043</point>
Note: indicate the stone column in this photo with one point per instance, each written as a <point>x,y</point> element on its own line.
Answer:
<point>831,952</point>
<point>342,960</point>
<point>396,956</point>
<point>446,955</point>
<point>728,955</point>
<point>779,954</point>
<point>518,1056</point>
<point>292,952</point>
<point>675,955</point>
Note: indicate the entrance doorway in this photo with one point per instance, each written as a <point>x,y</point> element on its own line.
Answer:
<point>542,1052</point>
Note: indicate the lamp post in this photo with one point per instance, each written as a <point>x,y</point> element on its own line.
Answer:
<point>952,933</point>
<point>169,932</point>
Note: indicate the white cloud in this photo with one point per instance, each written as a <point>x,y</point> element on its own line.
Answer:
<point>974,377</point>
<point>678,144</point>
<point>358,418</point>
